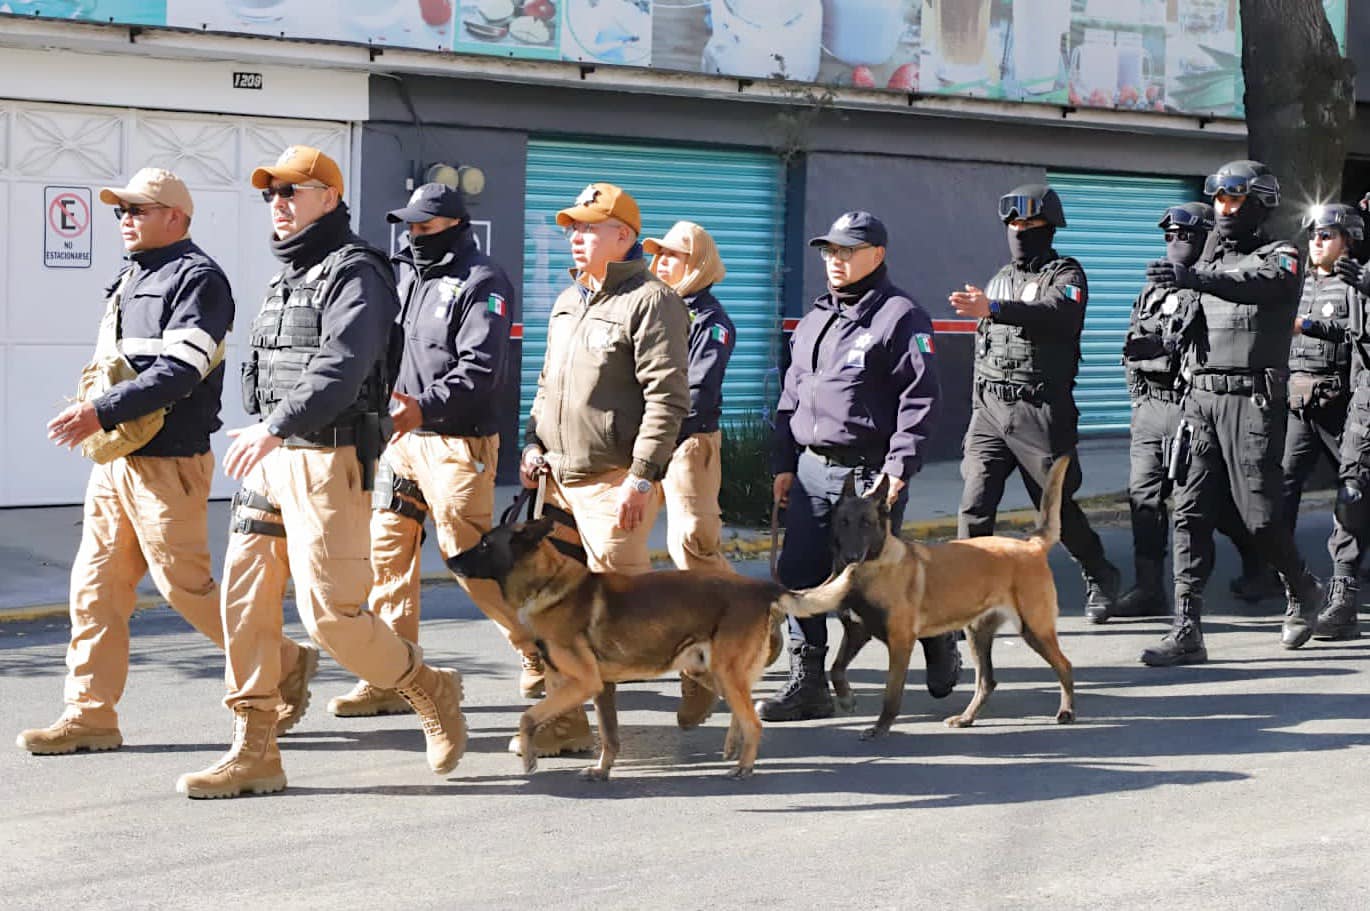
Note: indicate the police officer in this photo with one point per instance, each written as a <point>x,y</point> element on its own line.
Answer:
<point>859,398</point>
<point>455,311</point>
<point>147,511</point>
<point>1027,353</point>
<point>317,375</point>
<point>1236,408</point>
<point>1163,320</point>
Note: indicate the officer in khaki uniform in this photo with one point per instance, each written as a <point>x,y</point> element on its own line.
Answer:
<point>455,310</point>
<point>147,511</point>
<point>613,391</point>
<point>318,375</point>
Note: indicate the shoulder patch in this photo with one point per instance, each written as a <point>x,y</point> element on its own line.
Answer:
<point>1287,262</point>
<point>496,304</point>
<point>719,334</point>
<point>1074,293</point>
<point>924,342</point>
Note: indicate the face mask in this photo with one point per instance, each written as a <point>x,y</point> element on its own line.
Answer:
<point>1030,245</point>
<point>429,249</point>
<point>1248,218</point>
<point>1186,252</point>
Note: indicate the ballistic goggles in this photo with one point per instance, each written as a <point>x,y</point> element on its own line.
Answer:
<point>1180,217</point>
<point>1015,206</point>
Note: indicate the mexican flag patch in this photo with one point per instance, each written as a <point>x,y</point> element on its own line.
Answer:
<point>496,305</point>
<point>719,334</point>
<point>1288,262</point>
<point>1074,293</point>
<point>924,342</point>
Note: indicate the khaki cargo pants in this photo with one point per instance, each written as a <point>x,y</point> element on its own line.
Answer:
<point>142,514</point>
<point>694,523</point>
<point>456,478</point>
<point>594,505</point>
<point>325,515</point>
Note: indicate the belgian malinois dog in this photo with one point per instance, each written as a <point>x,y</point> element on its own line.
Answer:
<point>598,629</point>
<point>901,592</point>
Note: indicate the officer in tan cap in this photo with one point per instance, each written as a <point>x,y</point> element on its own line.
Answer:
<point>611,397</point>
<point>146,505</point>
<point>318,375</point>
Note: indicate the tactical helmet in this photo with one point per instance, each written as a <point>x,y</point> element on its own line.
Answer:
<point>1245,178</point>
<point>1336,215</point>
<point>1030,201</point>
<point>1197,215</point>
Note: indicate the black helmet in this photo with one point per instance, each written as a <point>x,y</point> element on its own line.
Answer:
<point>1031,200</point>
<point>1196,215</point>
<point>1336,215</point>
<point>1245,178</point>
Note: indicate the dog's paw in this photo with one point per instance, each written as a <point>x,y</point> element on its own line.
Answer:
<point>740,773</point>
<point>530,759</point>
<point>731,751</point>
<point>845,704</point>
<point>1065,716</point>
<point>594,773</point>
<point>872,733</point>
<point>959,721</point>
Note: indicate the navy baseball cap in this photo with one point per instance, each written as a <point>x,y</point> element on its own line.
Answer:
<point>854,229</point>
<point>432,200</point>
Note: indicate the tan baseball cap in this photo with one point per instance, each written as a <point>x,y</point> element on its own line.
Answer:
<point>680,239</point>
<point>301,164</point>
<point>151,186</point>
<point>600,202</point>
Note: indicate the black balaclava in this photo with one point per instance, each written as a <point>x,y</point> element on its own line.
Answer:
<point>1030,246</point>
<point>429,249</point>
<point>1187,252</point>
<point>1245,223</point>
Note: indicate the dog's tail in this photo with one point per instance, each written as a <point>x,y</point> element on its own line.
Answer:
<point>1048,529</point>
<point>811,602</point>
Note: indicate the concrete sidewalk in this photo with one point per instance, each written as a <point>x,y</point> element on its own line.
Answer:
<point>37,544</point>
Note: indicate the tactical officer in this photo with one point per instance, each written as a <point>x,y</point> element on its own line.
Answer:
<point>455,310</point>
<point>1027,353</point>
<point>859,398</point>
<point>147,511</point>
<point>317,373</point>
<point>1163,321</point>
<point>1236,407</point>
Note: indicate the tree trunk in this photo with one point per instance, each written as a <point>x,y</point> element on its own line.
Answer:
<point>1300,98</point>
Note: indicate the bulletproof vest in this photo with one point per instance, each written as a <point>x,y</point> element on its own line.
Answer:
<point>1246,337</point>
<point>1163,313</point>
<point>1324,298</point>
<point>287,332</point>
<point>1021,356</point>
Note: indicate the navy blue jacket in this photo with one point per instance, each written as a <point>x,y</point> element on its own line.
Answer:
<point>176,309</point>
<point>863,377</point>
<point>712,338</point>
<point>456,318</point>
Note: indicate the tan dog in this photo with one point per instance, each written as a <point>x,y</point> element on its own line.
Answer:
<point>903,592</point>
<point>597,629</point>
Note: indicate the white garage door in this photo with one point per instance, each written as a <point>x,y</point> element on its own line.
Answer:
<point>49,315</point>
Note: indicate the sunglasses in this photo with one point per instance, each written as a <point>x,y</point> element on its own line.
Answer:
<point>288,190</point>
<point>1322,234</point>
<point>841,254</point>
<point>1178,234</point>
<point>134,211</point>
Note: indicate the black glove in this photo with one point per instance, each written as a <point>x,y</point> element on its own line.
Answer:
<point>1161,273</point>
<point>1350,271</point>
<point>1143,348</point>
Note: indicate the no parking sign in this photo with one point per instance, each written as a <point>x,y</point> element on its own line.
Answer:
<point>66,227</point>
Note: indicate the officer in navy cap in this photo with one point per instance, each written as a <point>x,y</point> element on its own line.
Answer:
<point>859,400</point>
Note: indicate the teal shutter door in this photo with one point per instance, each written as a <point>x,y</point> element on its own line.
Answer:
<point>738,197</point>
<point>1112,232</point>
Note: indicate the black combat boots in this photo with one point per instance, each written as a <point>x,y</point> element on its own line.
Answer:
<point>1146,598</point>
<point>1301,611</point>
<point>943,659</point>
<point>1256,584</point>
<point>805,695</point>
<point>1338,620</point>
<point>1101,591</point>
<point>1184,644</point>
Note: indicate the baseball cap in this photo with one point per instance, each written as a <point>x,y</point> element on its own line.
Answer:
<point>301,164</point>
<point>148,186</point>
<point>854,229</point>
<point>680,238</point>
<point>432,200</point>
<point>600,202</point>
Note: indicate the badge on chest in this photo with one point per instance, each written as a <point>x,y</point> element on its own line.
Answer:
<point>1170,304</point>
<point>448,289</point>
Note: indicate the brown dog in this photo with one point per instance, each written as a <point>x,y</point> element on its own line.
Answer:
<point>597,629</point>
<point>902,592</point>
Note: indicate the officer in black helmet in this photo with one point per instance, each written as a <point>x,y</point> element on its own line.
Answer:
<point>1236,408</point>
<point>1163,320</point>
<point>1027,353</point>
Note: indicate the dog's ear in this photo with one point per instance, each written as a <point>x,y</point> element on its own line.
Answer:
<point>849,485</point>
<point>881,491</point>
<point>531,533</point>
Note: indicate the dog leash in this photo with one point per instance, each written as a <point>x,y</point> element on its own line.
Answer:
<point>775,541</point>
<point>541,500</point>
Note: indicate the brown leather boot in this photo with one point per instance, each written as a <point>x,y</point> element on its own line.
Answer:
<point>435,695</point>
<point>532,680</point>
<point>295,689</point>
<point>365,701</point>
<point>568,734</point>
<point>252,763</point>
<point>67,735</point>
<point>696,703</point>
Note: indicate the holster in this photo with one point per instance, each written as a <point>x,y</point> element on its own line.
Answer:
<point>1351,514</point>
<point>1179,454</point>
<point>370,445</point>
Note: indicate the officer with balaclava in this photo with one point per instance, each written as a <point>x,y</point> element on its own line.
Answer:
<point>1027,353</point>
<point>1162,324</point>
<point>1236,408</point>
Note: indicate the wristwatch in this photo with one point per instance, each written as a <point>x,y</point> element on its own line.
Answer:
<point>641,485</point>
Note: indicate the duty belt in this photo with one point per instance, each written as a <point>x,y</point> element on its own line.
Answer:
<point>328,438</point>
<point>847,456</point>
<point>1162,394</point>
<point>1228,383</point>
<point>1014,392</point>
<point>240,524</point>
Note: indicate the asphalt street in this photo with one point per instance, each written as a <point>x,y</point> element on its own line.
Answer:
<point>1238,784</point>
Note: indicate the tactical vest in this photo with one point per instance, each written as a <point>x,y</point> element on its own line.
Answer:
<point>1017,355</point>
<point>1245,338</point>
<point>287,333</point>
<point>1164,314</point>
<point>1324,298</point>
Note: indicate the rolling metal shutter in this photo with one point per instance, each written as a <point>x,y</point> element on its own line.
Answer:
<point>1113,233</point>
<point>737,196</point>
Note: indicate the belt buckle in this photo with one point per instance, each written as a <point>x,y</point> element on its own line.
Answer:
<point>1259,399</point>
